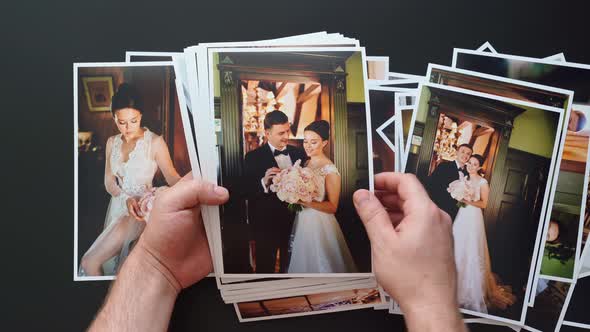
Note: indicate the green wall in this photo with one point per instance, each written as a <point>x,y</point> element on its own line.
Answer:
<point>534,132</point>
<point>216,86</point>
<point>355,89</point>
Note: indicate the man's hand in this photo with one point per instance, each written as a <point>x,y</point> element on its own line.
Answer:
<point>412,249</point>
<point>175,236</point>
<point>269,174</point>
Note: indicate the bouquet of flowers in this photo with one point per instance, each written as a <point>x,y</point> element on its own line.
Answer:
<point>146,202</point>
<point>295,184</point>
<point>461,190</point>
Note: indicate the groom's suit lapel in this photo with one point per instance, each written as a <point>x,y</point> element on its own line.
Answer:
<point>269,159</point>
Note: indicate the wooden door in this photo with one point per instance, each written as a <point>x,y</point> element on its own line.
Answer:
<point>513,214</point>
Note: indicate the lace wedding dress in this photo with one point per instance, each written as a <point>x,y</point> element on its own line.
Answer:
<point>134,178</point>
<point>478,289</point>
<point>318,245</point>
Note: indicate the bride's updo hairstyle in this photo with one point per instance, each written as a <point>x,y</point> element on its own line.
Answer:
<point>480,159</point>
<point>320,127</point>
<point>126,97</point>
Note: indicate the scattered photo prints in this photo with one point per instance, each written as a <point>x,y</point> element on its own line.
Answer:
<point>293,126</point>
<point>557,258</point>
<point>472,144</point>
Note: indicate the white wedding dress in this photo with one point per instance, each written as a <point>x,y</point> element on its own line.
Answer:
<point>134,177</point>
<point>318,245</point>
<point>477,286</point>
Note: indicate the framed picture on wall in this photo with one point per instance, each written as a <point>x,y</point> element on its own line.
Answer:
<point>98,91</point>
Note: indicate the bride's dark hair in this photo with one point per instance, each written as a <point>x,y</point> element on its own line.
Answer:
<point>320,127</point>
<point>480,159</point>
<point>126,97</point>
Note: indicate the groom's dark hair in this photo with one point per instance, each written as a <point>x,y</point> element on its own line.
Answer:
<point>465,145</point>
<point>275,118</point>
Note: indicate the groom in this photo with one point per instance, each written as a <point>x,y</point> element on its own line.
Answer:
<point>270,218</point>
<point>445,173</point>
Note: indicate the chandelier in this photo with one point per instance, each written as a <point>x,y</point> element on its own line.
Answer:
<point>447,136</point>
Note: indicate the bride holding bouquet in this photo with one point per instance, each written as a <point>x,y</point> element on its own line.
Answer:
<point>132,159</point>
<point>478,289</point>
<point>318,245</point>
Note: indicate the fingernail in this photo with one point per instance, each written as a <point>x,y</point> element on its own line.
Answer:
<point>220,191</point>
<point>361,197</point>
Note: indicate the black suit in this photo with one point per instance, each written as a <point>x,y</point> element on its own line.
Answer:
<point>437,184</point>
<point>269,217</point>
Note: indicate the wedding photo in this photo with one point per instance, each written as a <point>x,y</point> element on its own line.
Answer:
<point>488,164</point>
<point>550,298</point>
<point>308,304</point>
<point>568,202</point>
<point>293,142</point>
<point>577,307</point>
<point>566,75</point>
<point>130,144</point>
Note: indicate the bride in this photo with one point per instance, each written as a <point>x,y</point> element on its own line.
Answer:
<point>478,289</point>
<point>318,245</point>
<point>132,159</point>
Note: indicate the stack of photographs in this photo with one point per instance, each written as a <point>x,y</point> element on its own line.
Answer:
<point>258,117</point>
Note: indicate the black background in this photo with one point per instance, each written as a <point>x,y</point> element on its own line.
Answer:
<point>41,40</point>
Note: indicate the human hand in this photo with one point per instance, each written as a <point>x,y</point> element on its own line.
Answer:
<point>411,245</point>
<point>134,209</point>
<point>270,173</point>
<point>175,238</point>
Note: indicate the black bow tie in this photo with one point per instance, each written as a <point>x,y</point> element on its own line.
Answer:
<point>277,152</point>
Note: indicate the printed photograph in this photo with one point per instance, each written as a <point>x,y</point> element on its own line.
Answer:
<point>487,164</point>
<point>293,146</point>
<point>378,67</point>
<point>577,308</point>
<point>549,300</point>
<point>308,304</point>
<point>383,125</point>
<point>559,256</point>
<point>127,153</point>
<point>560,246</point>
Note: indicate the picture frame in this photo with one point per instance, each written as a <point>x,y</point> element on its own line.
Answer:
<point>99,91</point>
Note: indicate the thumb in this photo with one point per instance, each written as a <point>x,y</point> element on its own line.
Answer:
<point>189,193</point>
<point>374,216</point>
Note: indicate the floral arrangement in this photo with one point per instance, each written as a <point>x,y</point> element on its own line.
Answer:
<point>461,190</point>
<point>146,202</point>
<point>295,184</point>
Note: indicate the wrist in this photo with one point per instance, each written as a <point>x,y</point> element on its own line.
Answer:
<point>434,316</point>
<point>155,272</point>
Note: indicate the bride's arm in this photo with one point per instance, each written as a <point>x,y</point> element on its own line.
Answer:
<point>333,193</point>
<point>483,201</point>
<point>165,162</point>
<point>110,181</point>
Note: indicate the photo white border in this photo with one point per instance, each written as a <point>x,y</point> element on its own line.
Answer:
<point>393,121</point>
<point>171,55</point>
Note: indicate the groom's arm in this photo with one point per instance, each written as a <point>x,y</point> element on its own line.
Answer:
<point>252,176</point>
